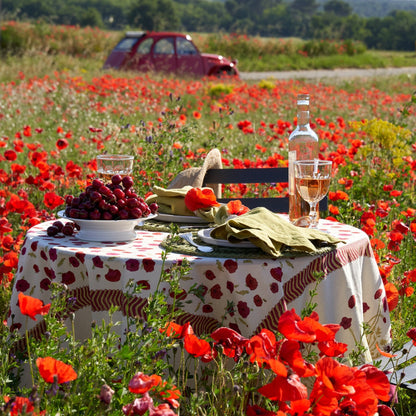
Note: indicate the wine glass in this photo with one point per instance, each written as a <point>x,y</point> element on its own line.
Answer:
<point>312,179</point>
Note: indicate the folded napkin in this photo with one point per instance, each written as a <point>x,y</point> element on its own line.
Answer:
<point>170,201</point>
<point>272,233</point>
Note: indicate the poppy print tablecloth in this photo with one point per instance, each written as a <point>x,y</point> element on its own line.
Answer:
<point>244,294</point>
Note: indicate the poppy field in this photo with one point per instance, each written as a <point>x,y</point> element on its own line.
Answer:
<point>51,129</point>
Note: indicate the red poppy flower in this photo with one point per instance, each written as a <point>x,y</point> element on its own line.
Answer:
<point>196,346</point>
<point>5,226</point>
<point>170,394</point>
<point>10,155</point>
<point>61,144</point>
<point>384,410</point>
<point>163,410</point>
<point>235,207</point>
<point>262,347</point>
<point>290,353</point>
<point>395,193</point>
<point>411,333</point>
<point>335,377</point>
<point>232,342</point>
<point>49,368</point>
<point>31,307</point>
<point>392,295</point>
<point>52,201</point>
<point>299,407</point>
<point>172,329</point>
<point>333,209</point>
<point>197,198</point>
<point>141,383</point>
<point>332,348</point>
<point>284,389</point>
<point>378,381</point>
<point>364,396</point>
<point>307,330</point>
<point>338,195</point>
<point>22,405</point>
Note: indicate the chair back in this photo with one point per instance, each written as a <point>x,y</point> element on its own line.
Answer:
<point>251,176</point>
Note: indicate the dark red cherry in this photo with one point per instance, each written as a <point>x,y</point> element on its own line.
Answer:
<point>153,207</point>
<point>127,182</point>
<point>135,213</point>
<point>116,179</point>
<point>58,224</point>
<point>97,183</point>
<point>68,229</point>
<point>52,231</point>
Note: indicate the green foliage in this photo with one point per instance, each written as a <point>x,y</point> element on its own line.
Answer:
<point>277,18</point>
<point>19,38</point>
<point>338,7</point>
<point>326,48</point>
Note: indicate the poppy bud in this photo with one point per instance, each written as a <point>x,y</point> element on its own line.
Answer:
<point>106,394</point>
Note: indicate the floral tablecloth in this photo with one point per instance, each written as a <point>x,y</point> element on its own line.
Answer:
<point>244,294</point>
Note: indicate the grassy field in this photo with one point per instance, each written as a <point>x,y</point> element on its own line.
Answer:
<point>40,48</point>
<point>57,112</point>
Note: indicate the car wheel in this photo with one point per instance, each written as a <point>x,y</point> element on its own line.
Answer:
<point>225,72</point>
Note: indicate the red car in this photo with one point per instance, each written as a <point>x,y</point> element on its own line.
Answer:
<point>167,52</point>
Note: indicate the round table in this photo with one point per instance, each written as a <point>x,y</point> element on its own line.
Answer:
<point>246,294</point>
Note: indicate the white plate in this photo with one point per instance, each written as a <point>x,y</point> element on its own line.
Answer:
<point>106,230</point>
<point>204,235</point>
<point>180,218</point>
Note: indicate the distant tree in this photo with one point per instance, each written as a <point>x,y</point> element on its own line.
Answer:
<point>337,7</point>
<point>142,14</point>
<point>329,26</point>
<point>203,16</point>
<point>248,15</point>
<point>154,15</point>
<point>33,9</point>
<point>299,15</point>
<point>91,17</point>
<point>374,26</point>
<point>273,19</point>
<point>354,27</point>
<point>398,31</point>
<point>305,7</point>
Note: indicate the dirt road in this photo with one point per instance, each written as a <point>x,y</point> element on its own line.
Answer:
<point>322,74</point>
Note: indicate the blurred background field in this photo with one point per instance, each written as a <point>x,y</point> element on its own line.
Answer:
<point>39,48</point>
<point>59,109</point>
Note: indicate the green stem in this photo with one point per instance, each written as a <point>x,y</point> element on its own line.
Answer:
<point>28,354</point>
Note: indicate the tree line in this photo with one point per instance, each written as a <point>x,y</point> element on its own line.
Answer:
<point>269,18</point>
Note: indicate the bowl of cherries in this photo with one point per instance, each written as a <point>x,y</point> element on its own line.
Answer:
<point>108,211</point>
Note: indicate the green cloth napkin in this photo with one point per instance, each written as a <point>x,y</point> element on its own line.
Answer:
<point>170,201</point>
<point>217,215</point>
<point>272,233</point>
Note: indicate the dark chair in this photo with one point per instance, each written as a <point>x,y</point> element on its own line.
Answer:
<point>252,176</point>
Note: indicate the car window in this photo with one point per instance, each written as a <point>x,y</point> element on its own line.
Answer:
<point>125,44</point>
<point>145,46</point>
<point>164,47</point>
<point>184,47</point>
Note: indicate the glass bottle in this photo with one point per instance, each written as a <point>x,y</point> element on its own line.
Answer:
<point>303,145</point>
